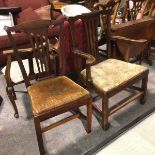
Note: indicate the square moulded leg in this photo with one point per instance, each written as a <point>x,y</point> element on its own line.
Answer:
<point>144,89</point>
<point>105,112</point>
<point>89,116</point>
<point>39,136</point>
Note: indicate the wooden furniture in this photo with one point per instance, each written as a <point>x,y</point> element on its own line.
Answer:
<point>111,3</point>
<point>135,9</point>
<point>136,26</point>
<point>152,14</point>
<point>12,68</point>
<point>1,100</point>
<point>130,49</point>
<point>104,39</point>
<point>137,29</point>
<point>108,77</point>
<point>50,96</point>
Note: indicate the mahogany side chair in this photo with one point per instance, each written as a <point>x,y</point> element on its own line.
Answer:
<point>12,68</point>
<point>108,77</point>
<point>51,95</point>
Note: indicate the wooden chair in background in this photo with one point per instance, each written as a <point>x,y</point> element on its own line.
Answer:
<point>103,38</point>
<point>114,4</point>
<point>152,14</point>
<point>108,77</point>
<point>130,49</point>
<point>49,96</point>
<point>135,9</point>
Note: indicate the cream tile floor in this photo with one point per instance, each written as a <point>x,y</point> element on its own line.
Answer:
<point>140,140</point>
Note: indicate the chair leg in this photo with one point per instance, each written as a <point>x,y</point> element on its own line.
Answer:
<point>14,94</point>
<point>144,88</point>
<point>1,100</point>
<point>89,116</point>
<point>12,100</point>
<point>105,112</point>
<point>39,135</point>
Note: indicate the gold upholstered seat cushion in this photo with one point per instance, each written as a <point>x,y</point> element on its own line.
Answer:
<point>53,93</point>
<point>112,72</point>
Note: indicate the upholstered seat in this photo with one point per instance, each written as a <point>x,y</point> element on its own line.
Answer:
<point>107,77</point>
<point>53,93</point>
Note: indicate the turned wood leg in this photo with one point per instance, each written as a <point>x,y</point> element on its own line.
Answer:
<point>12,97</point>
<point>89,116</point>
<point>144,88</point>
<point>105,112</point>
<point>14,94</point>
<point>39,136</point>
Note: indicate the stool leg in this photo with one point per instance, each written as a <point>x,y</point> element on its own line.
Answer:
<point>105,112</point>
<point>39,135</point>
<point>89,116</point>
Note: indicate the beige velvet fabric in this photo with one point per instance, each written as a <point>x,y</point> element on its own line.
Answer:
<point>111,73</point>
<point>53,93</point>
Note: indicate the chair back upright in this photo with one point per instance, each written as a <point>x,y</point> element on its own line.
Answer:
<point>90,23</point>
<point>37,32</point>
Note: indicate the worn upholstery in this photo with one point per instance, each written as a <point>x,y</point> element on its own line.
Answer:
<point>53,93</point>
<point>111,73</point>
